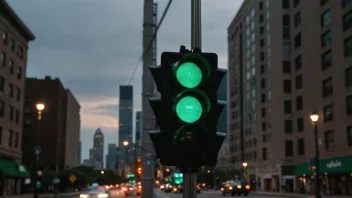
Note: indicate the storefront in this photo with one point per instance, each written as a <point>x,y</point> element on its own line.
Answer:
<point>335,174</point>
<point>12,175</point>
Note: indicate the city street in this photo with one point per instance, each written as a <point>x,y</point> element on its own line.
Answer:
<point>203,194</point>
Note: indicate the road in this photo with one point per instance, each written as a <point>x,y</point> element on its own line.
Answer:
<point>203,194</point>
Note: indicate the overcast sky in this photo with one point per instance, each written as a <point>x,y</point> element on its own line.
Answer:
<point>94,45</point>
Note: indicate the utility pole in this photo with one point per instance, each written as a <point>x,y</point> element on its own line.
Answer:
<point>148,90</point>
<point>190,179</point>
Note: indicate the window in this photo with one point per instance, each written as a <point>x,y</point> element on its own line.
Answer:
<point>325,18</point>
<point>348,77</point>
<point>12,66</point>
<point>11,90</point>
<point>4,37</point>
<point>285,4</point>
<point>288,106</point>
<point>16,140</point>
<point>20,52</point>
<point>264,154</point>
<point>286,20</point>
<point>263,83</point>
<point>263,98</point>
<point>297,19</point>
<point>347,20</point>
<point>2,83</point>
<point>323,2</point>
<point>300,124</point>
<point>349,136</point>
<point>288,148</point>
<point>263,112</point>
<point>300,146</point>
<point>17,116</point>
<point>326,39</point>
<point>263,126</point>
<point>298,82</point>
<point>299,103</point>
<point>348,46</point>
<point>261,5</point>
<point>18,94</point>
<point>287,86</point>
<point>10,138</point>
<point>329,140</point>
<point>326,60</point>
<point>3,59</point>
<point>11,112</point>
<point>262,56</point>
<point>298,62</point>
<point>286,67</point>
<point>288,126</point>
<point>2,109</point>
<point>298,40</point>
<point>13,45</point>
<point>286,49</point>
<point>345,2</point>
<point>286,32</point>
<point>349,105</point>
<point>19,73</point>
<point>295,3</point>
<point>327,87</point>
<point>328,113</point>
<point>261,18</point>
<point>0,135</point>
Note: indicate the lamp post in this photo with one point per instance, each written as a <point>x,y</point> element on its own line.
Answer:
<point>245,164</point>
<point>40,107</point>
<point>314,117</point>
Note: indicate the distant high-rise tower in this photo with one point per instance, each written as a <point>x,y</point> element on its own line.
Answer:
<point>138,130</point>
<point>98,147</point>
<point>111,156</point>
<point>125,121</point>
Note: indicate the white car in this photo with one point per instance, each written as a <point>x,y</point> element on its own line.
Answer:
<point>130,190</point>
<point>94,192</point>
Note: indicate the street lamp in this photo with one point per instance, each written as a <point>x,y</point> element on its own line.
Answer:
<point>314,117</point>
<point>102,172</point>
<point>245,164</point>
<point>40,107</point>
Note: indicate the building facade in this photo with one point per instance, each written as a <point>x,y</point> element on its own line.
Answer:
<point>13,65</point>
<point>288,59</point>
<point>138,133</point>
<point>73,128</point>
<point>57,133</point>
<point>125,123</point>
<point>97,152</point>
<point>111,156</point>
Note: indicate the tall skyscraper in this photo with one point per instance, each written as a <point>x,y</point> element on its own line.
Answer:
<point>125,121</point>
<point>139,131</point>
<point>111,156</point>
<point>288,59</point>
<point>98,147</point>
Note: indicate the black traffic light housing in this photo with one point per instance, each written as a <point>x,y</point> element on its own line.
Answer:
<point>187,145</point>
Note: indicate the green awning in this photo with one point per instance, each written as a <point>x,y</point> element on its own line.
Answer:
<point>13,169</point>
<point>329,166</point>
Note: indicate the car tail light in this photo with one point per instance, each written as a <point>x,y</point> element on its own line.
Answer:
<point>248,187</point>
<point>222,189</point>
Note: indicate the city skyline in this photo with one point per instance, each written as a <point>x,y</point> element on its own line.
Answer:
<point>97,88</point>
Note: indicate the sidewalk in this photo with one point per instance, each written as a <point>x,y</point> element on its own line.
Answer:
<point>45,195</point>
<point>293,195</point>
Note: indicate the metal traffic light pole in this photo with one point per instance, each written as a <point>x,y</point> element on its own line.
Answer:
<point>190,179</point>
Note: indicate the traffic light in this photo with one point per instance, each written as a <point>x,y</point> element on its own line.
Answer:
<point>188,110</point>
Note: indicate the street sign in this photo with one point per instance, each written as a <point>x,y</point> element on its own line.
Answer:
<point>37,149</point>
<point>72,178</point>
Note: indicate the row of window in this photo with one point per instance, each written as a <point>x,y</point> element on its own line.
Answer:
<point>14,114</point>
<point>5,39</point>
<point>11,64</point>
<point>12,138</point>
<point>12,91</point>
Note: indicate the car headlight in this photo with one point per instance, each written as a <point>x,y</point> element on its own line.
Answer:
<point>230,188</point>
<point>83,195</point>
<point>103,195</point>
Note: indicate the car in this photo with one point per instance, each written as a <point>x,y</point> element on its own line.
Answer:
<point>178,188</point>
<point>168,188</point>
<point>130,190</point>
<point>162,187</point>
<point>94,192</point>
<point>235,188</point>
<point>198,188</point>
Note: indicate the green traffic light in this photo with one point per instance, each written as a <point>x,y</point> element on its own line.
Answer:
<point>189,109</point>
<point>189,75</point>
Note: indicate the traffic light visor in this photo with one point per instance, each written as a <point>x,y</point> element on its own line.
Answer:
<point>191,70</point>
<point>191,105</point>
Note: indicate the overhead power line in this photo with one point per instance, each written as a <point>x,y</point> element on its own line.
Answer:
<point>151,41</point>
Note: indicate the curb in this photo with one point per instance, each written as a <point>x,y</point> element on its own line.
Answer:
<point>279,195</point>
